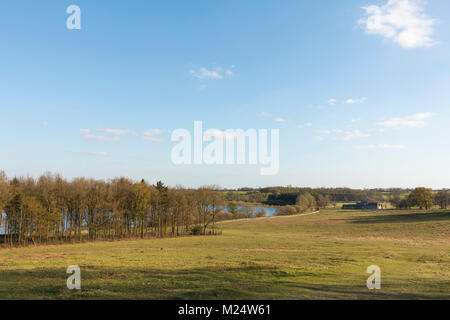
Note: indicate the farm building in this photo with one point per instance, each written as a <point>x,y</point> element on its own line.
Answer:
<point>363,206</point>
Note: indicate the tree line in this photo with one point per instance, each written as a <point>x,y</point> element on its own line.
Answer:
<point>304,202</point>
<point>52,209</point>
<point>282,196</point>
<point>423,198</point>
<point>295,200</point>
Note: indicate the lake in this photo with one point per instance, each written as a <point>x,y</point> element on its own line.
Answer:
<point>270,212</point>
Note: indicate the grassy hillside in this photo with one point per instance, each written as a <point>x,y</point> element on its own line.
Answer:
<point>320,256</point>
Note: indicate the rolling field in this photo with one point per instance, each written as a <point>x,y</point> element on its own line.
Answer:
<point>319,256</point>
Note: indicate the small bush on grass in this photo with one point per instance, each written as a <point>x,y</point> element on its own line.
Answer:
<point>196,230</point>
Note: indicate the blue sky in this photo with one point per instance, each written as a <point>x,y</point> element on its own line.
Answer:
<point>359,89</point>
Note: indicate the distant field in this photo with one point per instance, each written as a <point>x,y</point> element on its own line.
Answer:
<point>320,256</point>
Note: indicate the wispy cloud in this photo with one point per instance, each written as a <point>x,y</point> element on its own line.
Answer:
<point>204,73</point>
<point>117,132</point>
<point>97,138</point>
<point>332,102</point>
<point>151,135</point>
<point>390,146</point>
<point>327,132</point>
<point>211,74</point>
<point>355,101</point>
<point>415,120</point>
<point>352,135</point>
<point>98,154</point>
<point>88,135</point>
<point>268,115</point>
<point>229,73</point>
<point>354,120</point>
<point>304,125</point>
<point>401,21</point>
<point>341,135</point>
<point>383,146</point>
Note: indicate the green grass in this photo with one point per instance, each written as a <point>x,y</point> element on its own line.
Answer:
<point>320,256</point>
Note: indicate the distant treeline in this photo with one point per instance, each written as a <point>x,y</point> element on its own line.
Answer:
<point>299,199</point>
<point>282,196</point>
<point>423,198</point>
<point>51,209</point>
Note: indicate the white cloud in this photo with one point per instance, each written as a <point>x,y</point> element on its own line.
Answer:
<point>401,21</point>
<point>304,125</point>
<point>332,102</point>
<point>93,137</point>
<point>99,154</point>
<point>280,120</point>
<point>390,146</point>
<point>355,101</point>
<point>326,132</point>
<point>341,135</point>
<point>213,74</point>
<point>415,120</point>
<point>352,135</point>
<point>150,135</point>
<point>204,73</point>
<point>354,120</point>
<point>264,114</point>
<point>383,146</point>
<point>90,136</point>
<point>117,132</point>
<point>151,132</point>
<point>229,73</point>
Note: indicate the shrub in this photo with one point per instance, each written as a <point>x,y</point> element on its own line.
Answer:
<point>287,211</point>
<point>261,213</point>
<point>196,230</point>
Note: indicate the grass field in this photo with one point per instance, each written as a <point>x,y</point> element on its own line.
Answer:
<point>320,256</point>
